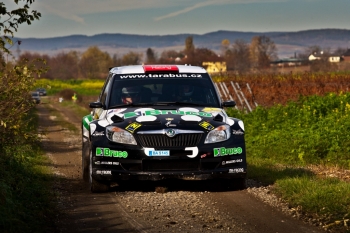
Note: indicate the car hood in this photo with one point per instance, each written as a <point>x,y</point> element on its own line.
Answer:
<point>165,117</point>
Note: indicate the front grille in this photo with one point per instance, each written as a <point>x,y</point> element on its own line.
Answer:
<point>161,140</point>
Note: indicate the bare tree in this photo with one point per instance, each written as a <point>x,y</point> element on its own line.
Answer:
<point>150,56</point>
<point>262,51</point>
<point>64,66</point>
<point>189,49</point>
<point>239,57</point>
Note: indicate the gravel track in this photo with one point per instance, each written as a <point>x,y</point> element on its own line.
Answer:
<point>173,206</point>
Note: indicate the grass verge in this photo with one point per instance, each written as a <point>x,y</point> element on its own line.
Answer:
<point>27,200</point>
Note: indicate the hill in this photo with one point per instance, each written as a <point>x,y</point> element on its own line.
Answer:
<point>288,43</point>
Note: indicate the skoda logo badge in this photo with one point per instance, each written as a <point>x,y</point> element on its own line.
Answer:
<point>170,133</point>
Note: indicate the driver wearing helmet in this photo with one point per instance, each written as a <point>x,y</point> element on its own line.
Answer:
<point>129,95</point>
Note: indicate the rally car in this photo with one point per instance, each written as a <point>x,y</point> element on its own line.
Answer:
<point>153,122</point>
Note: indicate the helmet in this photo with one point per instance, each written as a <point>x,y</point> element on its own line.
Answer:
<point>130,94</point>
<point>186,90</point>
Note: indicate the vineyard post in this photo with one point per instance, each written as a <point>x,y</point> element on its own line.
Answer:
<point>250,91</point>
<point>223,90</point>
<point>239,97</point>
<point>243,96</point>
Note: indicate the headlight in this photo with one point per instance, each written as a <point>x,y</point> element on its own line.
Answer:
<point>119,135</point>
<point>219,134</point>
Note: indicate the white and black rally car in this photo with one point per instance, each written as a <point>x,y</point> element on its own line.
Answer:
<point>153,122</point>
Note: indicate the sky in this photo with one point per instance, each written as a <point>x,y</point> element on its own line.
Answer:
<point>169,17</point>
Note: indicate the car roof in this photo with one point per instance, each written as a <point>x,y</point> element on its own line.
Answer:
<point>140,69</point>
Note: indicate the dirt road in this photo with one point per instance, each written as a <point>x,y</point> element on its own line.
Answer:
<point>171,206</point>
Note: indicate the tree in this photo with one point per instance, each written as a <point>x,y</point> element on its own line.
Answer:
<point>16,82</point>
<point>262,51</point>
<point>239,57</point>
<point>64,66</point>
<point>189,49</point>
<point>12,20</point>
<point>131,58</point>
<point>150,56</point>
<point>170,57</point>
<point>225,44</point>
<point>203,54</point>
<point>95,63</point>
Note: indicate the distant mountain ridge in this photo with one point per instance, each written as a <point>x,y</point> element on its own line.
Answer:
<point>287,42</point>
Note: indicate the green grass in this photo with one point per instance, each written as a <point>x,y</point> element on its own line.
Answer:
<point>81,87</point>
<point>282,141</point>
<point>77,109</point>
<point>27,200</point>
<point>313,130</point>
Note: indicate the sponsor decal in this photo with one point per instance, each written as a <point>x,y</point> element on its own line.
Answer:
<point>146,118</point>
<point>104,172</point>
<point>236,170</point>
<point>107,163</point>
<point>227,151</point>
<point>168,124</point>
<point>86,121</point>
<point>161,76</point>
<point>212,110</point>
<point>131,128</point>
<point>232,161</point>
<point>116,111</point>
<point>98,134</point>
<point>206,125</point>
<point>106,152</point>
<point>237,132</point>
<point>165,112</point>
<point>191,118</point>
<point>194,152</point>
<point>158,153</point>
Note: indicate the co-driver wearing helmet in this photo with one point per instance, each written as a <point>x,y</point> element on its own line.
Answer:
<point>185,93</point>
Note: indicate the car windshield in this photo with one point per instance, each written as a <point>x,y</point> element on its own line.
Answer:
<point>34,94</point>
<point>163,91</point>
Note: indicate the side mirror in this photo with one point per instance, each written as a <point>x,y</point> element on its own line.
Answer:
<point>230,103</point>
<point>96,105</point>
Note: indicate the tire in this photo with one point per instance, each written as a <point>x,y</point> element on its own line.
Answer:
<point>85,160</point>
<point>240,183</point>
<point>95,186</point>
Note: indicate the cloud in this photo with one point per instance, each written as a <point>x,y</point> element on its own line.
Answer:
<point>212,2</point>
<point>76,10</point>
<point>63,14</point>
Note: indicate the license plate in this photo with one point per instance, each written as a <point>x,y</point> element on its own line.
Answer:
<point>159,153</point>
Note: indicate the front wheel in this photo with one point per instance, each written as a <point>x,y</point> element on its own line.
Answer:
<point>85,160</point>
<point>96,186</point>
<point>240,183</point>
